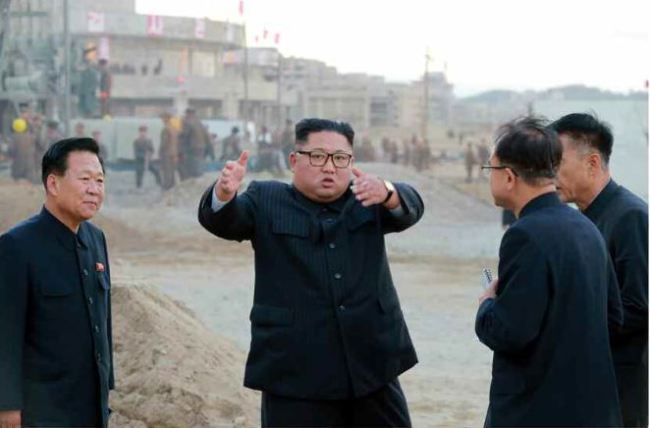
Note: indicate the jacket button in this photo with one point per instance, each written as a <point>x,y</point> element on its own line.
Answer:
<point>96,328</point>
<point>338,276</point>
<point>90,300</point>
<point>341,307</point>
<point>332,245</point>
<point>85,272</point>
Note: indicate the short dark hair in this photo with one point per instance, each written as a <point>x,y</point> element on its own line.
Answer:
<point>55,159</point>
<point>308,126</point>
<point>588,131</point>
<point>530,148</point>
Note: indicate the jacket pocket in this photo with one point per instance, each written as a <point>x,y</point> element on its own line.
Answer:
<point>103,281</point>
<point>292,227</point>
<point>271,315</point>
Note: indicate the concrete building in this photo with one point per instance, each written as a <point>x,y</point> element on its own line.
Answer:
<point>160,62</point>
<point>156,61</point>
<point>368,102</point>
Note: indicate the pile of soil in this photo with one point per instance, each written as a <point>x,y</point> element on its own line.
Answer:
<point>171,371</point>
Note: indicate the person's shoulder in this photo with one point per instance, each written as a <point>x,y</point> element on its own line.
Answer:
<point>522,228</point>
<point>550,220</point>
<point>24,231</point>
<point>268,189</point>
<point>627,201</point>
<point>521,235</point>
<point>622,210</point>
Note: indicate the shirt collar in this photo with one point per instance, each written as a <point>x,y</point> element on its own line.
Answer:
<point>313,207</point>
<point>68,238</point>
<point>543,201</point>
<point>598,205</point>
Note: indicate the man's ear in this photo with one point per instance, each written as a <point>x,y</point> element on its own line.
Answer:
<point>594,162</point>
<point>510,179</point>
<point>293,158</point>
<point>52,184</point>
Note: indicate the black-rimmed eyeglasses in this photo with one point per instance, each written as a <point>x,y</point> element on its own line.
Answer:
<point>320,158</point>
<point>488,167</point>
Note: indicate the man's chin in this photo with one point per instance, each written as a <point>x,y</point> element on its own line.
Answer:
<point>88,214</point>
<point>329,194</point>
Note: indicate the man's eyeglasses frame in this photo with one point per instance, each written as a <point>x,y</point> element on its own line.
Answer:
<point>337,164</point>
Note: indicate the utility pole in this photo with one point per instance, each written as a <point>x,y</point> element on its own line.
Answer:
<point>68,68</point>
<point>279,90</point>
<point>245,75</point>
<point>425,82</point>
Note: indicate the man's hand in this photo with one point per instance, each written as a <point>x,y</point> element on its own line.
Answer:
<point>371,190</point>
<point>10,419</point>
<point>490,292</point>
<point>231,177</point>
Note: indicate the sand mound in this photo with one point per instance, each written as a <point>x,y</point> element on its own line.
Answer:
<point>18,201</point>
<point>171,370</point>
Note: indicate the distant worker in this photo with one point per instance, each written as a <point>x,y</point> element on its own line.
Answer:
<point>470,161</point>
<point>143,151</point>
<point>168,152</point>
<point>88,85</point>
<point>52,134</point>
<point>193,139</point>
<point>231,145</point>
<point>22,150</point>
<point>103,149</point>
<point>287,139</point>
<point>105,86</point>
<point>80,130</point>
<point>40,145</point>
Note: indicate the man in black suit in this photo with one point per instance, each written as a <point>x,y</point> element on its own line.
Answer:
<point>56,361</point>
<point>328,335</point>
<point>622,218</point>
<point>546,316</point>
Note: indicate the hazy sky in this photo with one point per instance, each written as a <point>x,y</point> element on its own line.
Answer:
<point>515,44</point>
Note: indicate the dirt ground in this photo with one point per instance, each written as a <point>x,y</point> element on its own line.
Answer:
<point>182,298</point>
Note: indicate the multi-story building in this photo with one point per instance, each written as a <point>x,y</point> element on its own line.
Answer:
<point>161,62</point>
<point>156,62</point>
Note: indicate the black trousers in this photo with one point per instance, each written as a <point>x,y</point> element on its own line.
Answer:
<point>632,383</point>
<point>385,407</point>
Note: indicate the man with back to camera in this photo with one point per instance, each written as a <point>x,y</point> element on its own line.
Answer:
<point>56,360</point>
<point>622,218</point>
<point>547,315</point>
<point>328,335</point>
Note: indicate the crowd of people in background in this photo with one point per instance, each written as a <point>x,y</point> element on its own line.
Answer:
<point>187,146</point>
